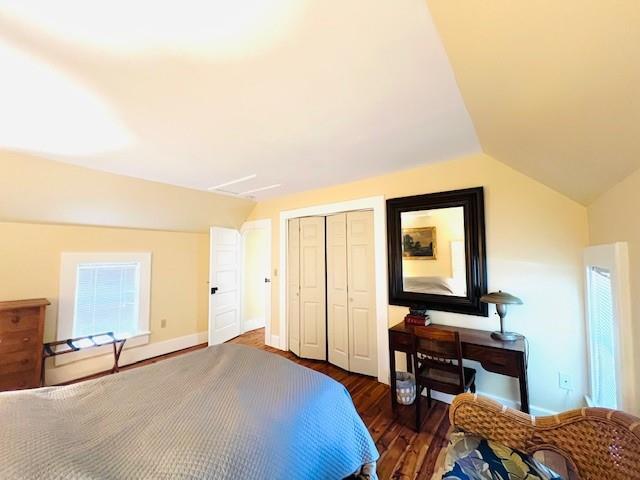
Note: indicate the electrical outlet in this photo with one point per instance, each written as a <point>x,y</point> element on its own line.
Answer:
<point>564,381</point>
<point>163,323</point>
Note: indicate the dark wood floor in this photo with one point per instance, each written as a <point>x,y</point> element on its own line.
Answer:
<point>403,453</point>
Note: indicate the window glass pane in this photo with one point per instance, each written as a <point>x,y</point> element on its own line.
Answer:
<point>107,298</point>
<point>602,338</point>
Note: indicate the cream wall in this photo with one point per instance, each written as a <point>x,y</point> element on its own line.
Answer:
<point>30,268</point>
<point>613,217</point>
<point>535,239</point>
<point>43,191</point>
<point>551,86</point>
<point>49,208</point>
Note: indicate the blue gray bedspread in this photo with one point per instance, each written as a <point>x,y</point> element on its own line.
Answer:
<point>225,412</point>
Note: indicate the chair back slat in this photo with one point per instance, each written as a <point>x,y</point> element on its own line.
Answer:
<point>439,349</point>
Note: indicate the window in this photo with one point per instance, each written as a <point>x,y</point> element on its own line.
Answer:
<point>611,357</point>
<point>104,292</point>
<point>602,344</point>
<point>107,298</point>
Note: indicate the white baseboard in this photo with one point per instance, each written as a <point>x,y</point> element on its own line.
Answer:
<point>274,342</point>
<point>537,411</point>
<point>90,366</point>
<point>252,324</point>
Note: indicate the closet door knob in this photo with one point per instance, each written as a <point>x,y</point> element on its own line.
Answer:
<point>351,299</point>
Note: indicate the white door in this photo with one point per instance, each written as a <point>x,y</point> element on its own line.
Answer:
<point>363,352</point>
<point>337,297</point>
<point>293,285</point>
<point>313,318</point>
<point>224,283</point>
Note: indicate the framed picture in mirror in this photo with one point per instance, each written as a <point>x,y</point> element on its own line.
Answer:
<point>437,253</point>
<point>419,243</point>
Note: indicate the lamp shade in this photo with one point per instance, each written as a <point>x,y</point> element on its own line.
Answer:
<point>501,298</point>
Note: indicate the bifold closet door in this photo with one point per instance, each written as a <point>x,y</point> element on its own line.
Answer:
<point>313,316</point>
<point>363,352</point>
<point>337,295</point>
<point>293,285</point>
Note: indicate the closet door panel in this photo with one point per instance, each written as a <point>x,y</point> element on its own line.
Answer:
<point>313,327</point>
<point>337,298</point>
<point>363,356</point>
<point>293,285</point>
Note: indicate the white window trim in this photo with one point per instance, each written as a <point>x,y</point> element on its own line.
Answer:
<point>615,257</point>
<point>66,301</point>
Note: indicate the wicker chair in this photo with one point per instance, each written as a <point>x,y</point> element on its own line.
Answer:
<point>597,443</point>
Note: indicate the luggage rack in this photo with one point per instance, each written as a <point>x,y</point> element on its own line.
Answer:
<point>60,347</point>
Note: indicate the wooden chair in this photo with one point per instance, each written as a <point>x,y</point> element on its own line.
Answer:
<point>437,357</point>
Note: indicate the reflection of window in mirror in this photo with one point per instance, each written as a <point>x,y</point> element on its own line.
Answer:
<point>433,254</point>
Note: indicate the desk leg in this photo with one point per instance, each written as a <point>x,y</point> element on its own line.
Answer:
<point>392,378</point>
<point>524,388</point>
<point>409,362</point>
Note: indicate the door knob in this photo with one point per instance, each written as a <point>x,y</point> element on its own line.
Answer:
<point>267,280</point>
<point>214,290</point>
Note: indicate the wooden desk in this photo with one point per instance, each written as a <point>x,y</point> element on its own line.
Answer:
<point>505,358</point>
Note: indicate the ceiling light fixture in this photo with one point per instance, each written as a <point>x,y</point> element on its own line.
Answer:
<point>261,189</point>
<point>232,182</point>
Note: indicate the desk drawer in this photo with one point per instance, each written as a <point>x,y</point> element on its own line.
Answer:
<point>19,320</point>
<point>401,342</point>
<point>505,362</point>
<point>20,341</point>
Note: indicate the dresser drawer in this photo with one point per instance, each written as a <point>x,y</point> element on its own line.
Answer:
<point>17,381</point>
<point>27,340</point>
<point>19,320</point>
<point>494,360</point>
<point>24,361</point>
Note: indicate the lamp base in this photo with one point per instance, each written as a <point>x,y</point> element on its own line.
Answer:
<point>506,336</point>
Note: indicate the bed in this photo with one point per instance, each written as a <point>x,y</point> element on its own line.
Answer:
<point>224,412</point>
<point>433,285</point>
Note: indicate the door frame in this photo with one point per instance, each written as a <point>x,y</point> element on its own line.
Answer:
<point>377,205</point>
<point>262,224</point>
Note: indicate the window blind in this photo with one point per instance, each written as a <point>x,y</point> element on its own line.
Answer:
<point>602,338</point>
<point>107,299</point>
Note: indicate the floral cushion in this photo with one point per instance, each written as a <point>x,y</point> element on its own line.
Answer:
<point>473,458</point>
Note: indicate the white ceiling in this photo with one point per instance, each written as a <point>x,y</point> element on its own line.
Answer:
<point>200,92</point>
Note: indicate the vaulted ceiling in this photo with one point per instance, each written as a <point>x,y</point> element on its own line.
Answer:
<point>199,93</point>
<point>553,87</point>
<point>290,95</point>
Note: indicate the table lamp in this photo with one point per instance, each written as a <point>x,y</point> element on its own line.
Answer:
<point>501,300</point>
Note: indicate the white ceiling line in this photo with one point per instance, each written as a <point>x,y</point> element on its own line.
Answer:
<point>261,189</point>
<point>232,182</point>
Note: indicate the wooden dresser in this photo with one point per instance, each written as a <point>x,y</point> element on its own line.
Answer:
<point>21,332</point>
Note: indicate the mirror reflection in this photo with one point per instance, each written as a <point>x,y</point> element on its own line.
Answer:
<point>433,253</point>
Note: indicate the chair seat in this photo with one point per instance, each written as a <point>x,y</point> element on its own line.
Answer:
<point>443,376</point>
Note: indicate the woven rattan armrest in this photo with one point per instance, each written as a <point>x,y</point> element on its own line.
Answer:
<point>599,443</point>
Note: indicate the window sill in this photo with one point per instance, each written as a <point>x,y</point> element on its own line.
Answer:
<point>137,340</point>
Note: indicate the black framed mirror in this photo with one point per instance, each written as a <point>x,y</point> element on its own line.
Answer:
<point>437,251</point>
